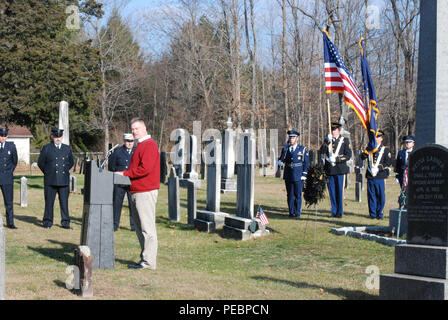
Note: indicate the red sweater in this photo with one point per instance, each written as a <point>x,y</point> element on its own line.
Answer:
<point>144,169</point>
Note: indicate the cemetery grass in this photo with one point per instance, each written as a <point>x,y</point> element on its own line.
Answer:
<point>299,260</point>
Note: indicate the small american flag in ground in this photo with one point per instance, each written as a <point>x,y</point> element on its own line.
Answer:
<point>262,216</point>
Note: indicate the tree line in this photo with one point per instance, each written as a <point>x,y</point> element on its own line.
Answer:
<point>258,62</point>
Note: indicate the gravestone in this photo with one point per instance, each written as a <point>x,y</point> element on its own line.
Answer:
<point>2,262</point>
<point>262,152</point>
<point>203,169</point>
<point>191,202</point>
<point>228,183</point>
<point>191,173</point>
<point>273,156</point>
<point>64,121</point>
<point>23,192</point>
<point>421,270</point>
<point>76,165</point>
<point>84,262</point>
<point>210,219</point>
<point>163,167</point>
<point>73,184</point>
<point>173,196</point>
<point>244,226</point>
<point>179,152</point>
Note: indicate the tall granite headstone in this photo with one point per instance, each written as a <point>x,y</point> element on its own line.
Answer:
<point>262,152</point>
<point>191,202</point>
<point>228,183</point>
<point>191,173</point>
<point>212,218</point>
<point>179,152</point>
<point>421,267</point>
<point>244,226</point>
<point>163,167</point>
<point>173,196</point>
<point>64,121</point>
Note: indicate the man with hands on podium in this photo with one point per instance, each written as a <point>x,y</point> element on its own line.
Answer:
<point>295,158</point>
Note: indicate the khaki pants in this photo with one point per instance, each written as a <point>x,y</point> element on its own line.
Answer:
<point>144,214</point>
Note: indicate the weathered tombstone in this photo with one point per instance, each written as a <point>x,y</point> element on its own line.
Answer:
<point>191,173</point>
<point>97,222</point>
<point>173,196</point>
<point>23,192</point>
<point>421,269</point>
<point>2,262</point>
<point>228,183</point>
<point>73,184</point>
<point>178,155</point>
<point>64,121</point>
<point>262,152</point>
<point>84,262</point>
<point>163,167</point>
<point>212,218</point>
<point>191,202</point>
<point>273,147</point>
<point>76,165</point>
<point>203,169</point>
<point>244,226</point>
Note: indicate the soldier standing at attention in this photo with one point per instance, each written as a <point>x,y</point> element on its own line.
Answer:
<point>403,159</point>
<point>8,163</point>
<point>377,171</point>
<point>119,161</point>
<point>336,167</point>
<point>296,160</point>
<point>55,161</point>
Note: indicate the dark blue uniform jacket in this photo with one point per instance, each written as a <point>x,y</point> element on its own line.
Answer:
<point>8,162</point>
<point>296,163</point>
<point>56,164</point>
<point>120,159</point>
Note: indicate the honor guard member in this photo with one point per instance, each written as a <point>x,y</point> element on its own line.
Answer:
<point>402,160</point>
<point>377,171</point>
<point>55,161</point>
<point>119,161</point>
<point>337,152</point>
<point>8,163</point>
<point>295,158</point>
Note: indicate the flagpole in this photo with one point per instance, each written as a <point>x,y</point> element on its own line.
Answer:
<point>329,126</point>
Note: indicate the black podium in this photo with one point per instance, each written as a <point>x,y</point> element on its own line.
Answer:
<point>97,221</point>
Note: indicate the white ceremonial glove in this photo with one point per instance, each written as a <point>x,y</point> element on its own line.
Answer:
<point>397,181</point>
<point>280,163</point>
<point>330,137</point>
<point>375,171</point>
<point>333,159</point>
<point>303,178</point>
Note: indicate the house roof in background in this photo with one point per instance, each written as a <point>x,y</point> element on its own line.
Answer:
<point>19,132</point>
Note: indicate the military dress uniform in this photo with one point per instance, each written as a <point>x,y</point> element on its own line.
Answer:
<point>376,187</point>
<point>56,163</point>
<point>336,171</point>
<point>402,161</point>
<point>119,161</point>
<point>296,162</point>
<point>8,163</point>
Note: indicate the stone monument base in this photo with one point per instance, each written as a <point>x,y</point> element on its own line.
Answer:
<point>228,185</point>
<point>207,221</point>
<point>414,277</point>
<point>393,220</point>
<point>240,228</point>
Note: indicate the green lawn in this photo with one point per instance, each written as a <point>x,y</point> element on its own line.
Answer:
<point>300,259</point>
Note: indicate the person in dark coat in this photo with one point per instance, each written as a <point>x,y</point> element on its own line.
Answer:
<point>295,158</point>
<point>336,167</point>
<point>8,163</point>
<point>55,161</point>
<point>402,160</point>
<point>119,161</point>
<point>378,169</point>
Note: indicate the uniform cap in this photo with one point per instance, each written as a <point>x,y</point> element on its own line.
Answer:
<point>335,125</point>
<point>293,133</point>
<point>3,132</point>
<point>380,133</point>
<point>409,138</point>
<point>128,136</point>
<point>57,133</point>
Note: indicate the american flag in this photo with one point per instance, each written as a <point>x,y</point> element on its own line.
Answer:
<point>262,216</point>
<point>338,80</point>
<point>405,179</point>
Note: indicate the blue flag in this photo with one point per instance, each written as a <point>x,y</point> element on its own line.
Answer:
<point>370,101</point>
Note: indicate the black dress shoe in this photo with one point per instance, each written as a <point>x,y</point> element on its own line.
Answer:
<point>11,226</point>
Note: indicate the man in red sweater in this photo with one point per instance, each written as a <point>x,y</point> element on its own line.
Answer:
<point>144,172</point>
